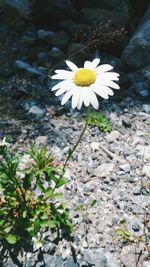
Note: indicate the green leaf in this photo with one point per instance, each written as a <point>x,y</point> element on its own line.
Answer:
<point>93,202</point>
<point>122,223</point>
<point>127,233</point>
<point>43,152</point>
<point>61,182</point>
<point>48,192</point>
<point>24,214</point>
<point>37,224</point>
<point>31,230</point>
<point>99,120</point>
<point>50,224</point>
<point>57,195</point>
<point>44,217</point>
<point>119,232</point>
<point>11,239</point>
<point>40,186</point>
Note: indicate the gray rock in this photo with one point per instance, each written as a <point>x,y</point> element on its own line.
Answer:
<point>41,140</point>
<point>26,67</point>
<point>95,257</point>
<point>9,263</point>
<point>136,190</point>
<point>141,88</point>
<point>85,244</point>
<point>140,203</point>
<point>146,170</point>
<point>145,191</point>
<point>99,258</point>
<point>56,52</point>
<point>135,209</point>
<point>96,16</point>
<point>53,11</point>
<point>111,137</point>
<point>42,57</point>
<point>144,151</point>
<point>95,146</point>
<point>35,110</point>
<point>21,5</point>
<point>28,104</point>
<point>70,263</point>
<point>130,179</point>
<point>52,261</point>
<point>129,257</point>
<point>137,52</point>
<point>125,167</point>
<point>136,227</point>
<point>146,263</point>
<point>39,264</point>
<point>43,34</point>
<point>31,259</point>
<point>104,169</point>
<point>115,220</point>
<point>60,39</point>
<point>146,108</point>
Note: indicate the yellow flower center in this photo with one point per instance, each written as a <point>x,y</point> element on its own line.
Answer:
<point>84,77</point>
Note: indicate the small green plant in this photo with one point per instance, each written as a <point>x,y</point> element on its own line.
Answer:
<point>123,232</point>
<point>100,121</point>
<point>85,207</point>
<point>29,197</point>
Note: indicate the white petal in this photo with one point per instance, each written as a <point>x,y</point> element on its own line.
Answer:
<point>75,98</point>
<point>64,72</point>
<point>71,65</point>
<point>109,91</point>
<point>101,91</point>
<point>87,65</point>
<point>112,84</point>
<point>103,68</point>
<point>107,76</point>
<point>94,100</point>
<point>86,96</point>
<point>80,101</point>
<point>61,91</point>
<point>63,75</point>
<point>65,84</point>
<point>95,63</point>
<point>66,97</point>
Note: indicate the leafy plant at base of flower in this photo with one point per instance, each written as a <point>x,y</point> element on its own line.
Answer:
<point>100,121</point>
<point>29,197</point>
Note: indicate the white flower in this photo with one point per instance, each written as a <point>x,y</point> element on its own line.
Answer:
<point>37,242</point>
<point>82,84</point>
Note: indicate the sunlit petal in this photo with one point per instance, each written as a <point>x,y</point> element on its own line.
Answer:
<point>71,65</point>
<point>95,63</point>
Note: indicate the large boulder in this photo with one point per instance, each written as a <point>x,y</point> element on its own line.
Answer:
<point>137,53</point>
<point>12,11</point>
<point>50,12</point>
<point>100,3</point>
<point>97,16</point>
<point>21,5</point>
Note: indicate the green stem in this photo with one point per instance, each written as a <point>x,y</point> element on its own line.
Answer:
<point>71,151</point>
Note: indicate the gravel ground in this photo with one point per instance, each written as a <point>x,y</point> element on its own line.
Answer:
<point>113,168</point>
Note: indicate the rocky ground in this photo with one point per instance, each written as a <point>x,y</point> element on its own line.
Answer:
<point>113,168</point>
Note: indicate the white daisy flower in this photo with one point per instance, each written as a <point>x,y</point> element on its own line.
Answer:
<point>82,84</point>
